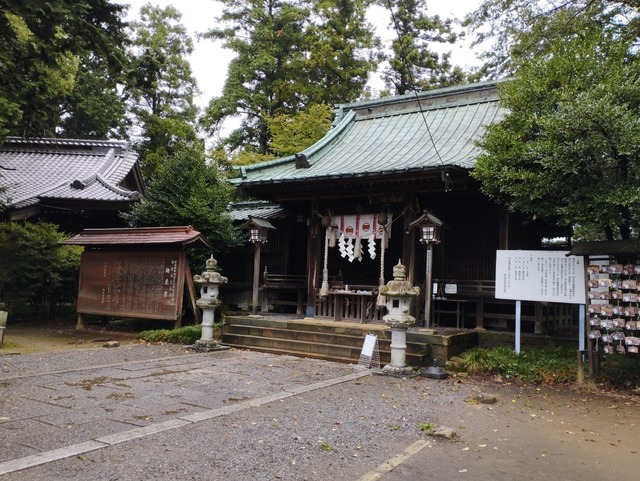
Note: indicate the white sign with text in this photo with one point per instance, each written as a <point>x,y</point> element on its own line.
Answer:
<point>548,276</point>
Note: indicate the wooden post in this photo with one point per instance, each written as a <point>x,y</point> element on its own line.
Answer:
<point>191,289</point>
<point>80,322</point>
<point>256,277</point>
<point>427,290</point>
<point>314,247</point>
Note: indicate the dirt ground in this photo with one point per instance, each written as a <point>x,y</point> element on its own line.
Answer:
<point>37,338</point>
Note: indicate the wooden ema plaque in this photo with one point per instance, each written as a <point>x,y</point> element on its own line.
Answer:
<point>132,284</point>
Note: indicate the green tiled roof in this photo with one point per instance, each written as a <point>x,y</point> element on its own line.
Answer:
<point>390,135</point>
<point>242,211</point>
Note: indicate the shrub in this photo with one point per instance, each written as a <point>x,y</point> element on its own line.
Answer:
<point>619,371</point>
<point>182,335</point>
<point>37,274</point>
<point>556,365</point>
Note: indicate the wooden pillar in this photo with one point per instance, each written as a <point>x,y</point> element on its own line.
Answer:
<point>503,242</point>
<point>408,243</point>
<point>313,259</point>
<point>256,277</point>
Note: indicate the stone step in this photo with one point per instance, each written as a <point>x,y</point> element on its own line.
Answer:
<point>334,352</point>
<point>321,337</point>
<point>341,343</point>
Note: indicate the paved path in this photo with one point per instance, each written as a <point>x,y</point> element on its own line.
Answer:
<point>152,412</point>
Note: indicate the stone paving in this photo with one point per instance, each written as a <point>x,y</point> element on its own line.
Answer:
<point>144,412</point>
<point>64,408</point>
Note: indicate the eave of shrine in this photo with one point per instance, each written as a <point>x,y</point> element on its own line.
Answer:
<point>407,142</point>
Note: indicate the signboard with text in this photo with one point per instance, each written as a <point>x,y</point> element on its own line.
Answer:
<point>548,276</point>
<point>130,283</point>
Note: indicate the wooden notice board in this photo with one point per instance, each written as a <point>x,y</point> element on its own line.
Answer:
<point>132,283</point>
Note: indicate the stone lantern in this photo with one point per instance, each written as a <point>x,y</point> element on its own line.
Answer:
<point>399,293</point>
<point>209,281</point>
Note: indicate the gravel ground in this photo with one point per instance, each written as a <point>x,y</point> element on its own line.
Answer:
<point>285,418</point>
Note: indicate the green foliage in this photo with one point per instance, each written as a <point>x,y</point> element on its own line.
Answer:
<point>42,45</point>
<point>94,108</point>
<point>325,446</point>
<point>293,134</point>
<point>413,64</point>
<point>619,371</point>
<point>428,426</point>
<point>161,86</point>
<point>549,366</point>
<point>37,274</point>
<point>512,33</point>
<point>569,147</point>
<point>186,190</point>
<point>182,335</point>
<point>290,55</point>
<point>341,52</point>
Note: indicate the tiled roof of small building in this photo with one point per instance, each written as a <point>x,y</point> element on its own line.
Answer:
<point>392,135</point>
<point>38,169</point>
<point>242,211</point>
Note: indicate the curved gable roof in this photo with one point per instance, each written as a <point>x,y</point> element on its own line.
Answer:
<point>390,136</point>
<point>61,169</point>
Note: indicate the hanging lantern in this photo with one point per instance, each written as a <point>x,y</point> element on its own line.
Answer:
<point>429,226</point>
<point>257,229</point>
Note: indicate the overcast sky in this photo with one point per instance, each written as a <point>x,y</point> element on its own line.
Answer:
<point>209,61</point>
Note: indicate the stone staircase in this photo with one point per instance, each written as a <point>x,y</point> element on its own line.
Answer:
<point>312,338</point>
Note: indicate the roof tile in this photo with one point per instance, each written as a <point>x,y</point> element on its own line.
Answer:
<point>436,129</point>
<point>47,168</point>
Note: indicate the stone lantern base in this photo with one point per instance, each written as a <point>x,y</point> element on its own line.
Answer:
<point>404,371</point>
<point>207,345</point>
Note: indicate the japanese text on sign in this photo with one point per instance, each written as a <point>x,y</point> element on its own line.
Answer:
<point>141,284</point>
<point>550,276</point>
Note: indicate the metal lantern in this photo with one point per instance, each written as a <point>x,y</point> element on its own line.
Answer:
<point>429,227</point>
<point>258,230</point>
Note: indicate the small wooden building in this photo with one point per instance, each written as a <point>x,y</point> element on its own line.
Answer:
<point>136,272</point>
<point>392,160</point>
<point>74,183</point>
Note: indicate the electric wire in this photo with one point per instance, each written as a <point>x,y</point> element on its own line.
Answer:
<point>403,57</point>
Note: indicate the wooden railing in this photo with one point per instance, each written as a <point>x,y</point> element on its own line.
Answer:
<point>283,290</point>
<point>358,304</point>
<point>475,301</point>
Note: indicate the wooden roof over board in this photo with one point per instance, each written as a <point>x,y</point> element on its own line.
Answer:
<point>408,142</point>
<point>140,236</point>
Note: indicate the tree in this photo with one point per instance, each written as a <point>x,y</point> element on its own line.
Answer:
<point>290,134</point>
<point>187,191</point>
<point>342,52</point>
<point>290,55</point>
<point>94,109</point>
<point>569,147</point>
<point>268,36</point>
<point>37,274</point>
<point>41,47</point>
<point>293,134</point>
<point>514,32</point>
<point>413,64</point>
<point>161,85</point>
